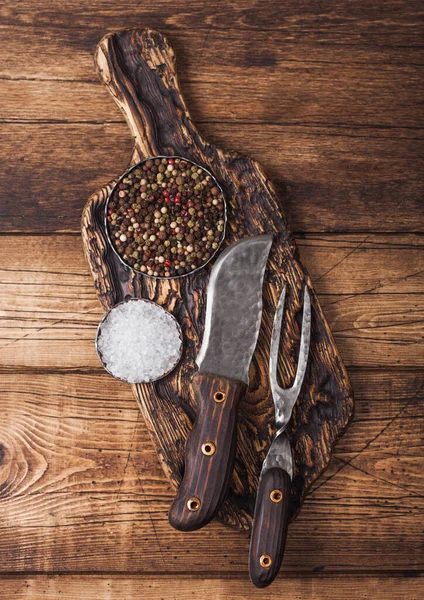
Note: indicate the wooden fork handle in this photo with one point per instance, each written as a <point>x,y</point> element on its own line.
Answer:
<point>270,525</point>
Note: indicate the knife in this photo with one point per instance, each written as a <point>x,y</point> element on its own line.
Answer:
<point>271,518</point>
<point>233,319</point>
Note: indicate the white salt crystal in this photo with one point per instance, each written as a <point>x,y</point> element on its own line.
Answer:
<point>139,341</point>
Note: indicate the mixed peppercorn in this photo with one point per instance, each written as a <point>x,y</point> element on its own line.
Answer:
<point>166,217</point>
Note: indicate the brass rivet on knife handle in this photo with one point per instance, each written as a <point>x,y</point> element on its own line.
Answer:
<point>265,561</point>
<point>219,396</point>
<point>208,448</point>
<point>276,495</point>
<point>193,504</point>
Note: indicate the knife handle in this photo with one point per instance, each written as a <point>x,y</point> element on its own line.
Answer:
<point>270,525</point>
<point>209,452</point>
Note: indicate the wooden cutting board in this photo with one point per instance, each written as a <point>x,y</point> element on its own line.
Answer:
<point>138,68</point>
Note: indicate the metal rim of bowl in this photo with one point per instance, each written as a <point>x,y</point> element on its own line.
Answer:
<point>98,333</point>
<point>141,162</point>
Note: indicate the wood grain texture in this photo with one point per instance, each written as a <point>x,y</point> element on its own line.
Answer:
<point>370,289</point>
<point>332,178</point>
<point>80,484</point>
<point>153,588</point>
<point>138,69</point>
<point>337,91</point>
<point>339,95</point>
<point>249,104</point>
<point>355,21</point>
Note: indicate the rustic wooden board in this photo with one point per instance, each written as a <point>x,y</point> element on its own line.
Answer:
<point>138,69</point>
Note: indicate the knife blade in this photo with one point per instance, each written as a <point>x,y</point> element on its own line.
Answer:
<point>233,318</point>
<point>270,523</point>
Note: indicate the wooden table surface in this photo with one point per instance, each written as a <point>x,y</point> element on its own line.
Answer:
<point>327,96</point>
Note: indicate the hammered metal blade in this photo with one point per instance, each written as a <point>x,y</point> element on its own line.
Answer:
<point>234,309</point>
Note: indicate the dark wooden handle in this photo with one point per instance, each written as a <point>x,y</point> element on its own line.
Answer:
<point>270,524</point>
<point>210,451</point>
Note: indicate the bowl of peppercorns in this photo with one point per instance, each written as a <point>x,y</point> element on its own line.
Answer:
<point>166,217</point>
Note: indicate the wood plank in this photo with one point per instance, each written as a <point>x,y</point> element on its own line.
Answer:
<point>387,331</point>
<point>395,22</point>
<point>90,587</point>
<point>362,180</point>
<point>373,303</point>
<point>364,264</point>
<point>339,264</point>
<point>80,485</point>
<point>66,53</point>
<point>303,92</point>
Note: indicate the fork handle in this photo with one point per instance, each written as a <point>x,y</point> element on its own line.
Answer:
<point>270,525</point>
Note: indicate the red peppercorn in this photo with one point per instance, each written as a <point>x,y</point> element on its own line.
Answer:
<point>109,219</point>
<point>165,193</point>
<point>171,161</point>
<point>167,263</point>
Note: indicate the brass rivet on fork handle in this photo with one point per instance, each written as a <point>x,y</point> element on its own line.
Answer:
<point>276,496</point>
<point>193,504</point>
<point>265,561</point>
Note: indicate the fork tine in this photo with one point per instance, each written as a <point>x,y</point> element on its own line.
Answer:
<point>305,340</point>
<point>275,338</point>
<point>285,398</point>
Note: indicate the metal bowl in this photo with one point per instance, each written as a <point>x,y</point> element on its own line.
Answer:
<point>113,191</point>
<point>99,332</point>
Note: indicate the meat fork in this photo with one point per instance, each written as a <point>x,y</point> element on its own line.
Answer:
<point>270,523</point>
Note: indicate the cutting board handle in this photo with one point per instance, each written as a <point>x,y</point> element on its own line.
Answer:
<point>138,69</point>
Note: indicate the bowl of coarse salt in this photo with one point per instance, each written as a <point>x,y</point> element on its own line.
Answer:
<point>138,341</point>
